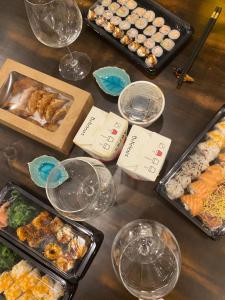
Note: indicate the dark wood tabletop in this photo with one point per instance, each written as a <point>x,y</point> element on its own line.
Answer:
<point>186,113</point>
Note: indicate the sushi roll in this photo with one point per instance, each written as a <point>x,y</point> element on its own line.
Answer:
<point>158,37</point>
<point>56,292</point>
<point>174,189</point>
<point>221,127</point>
<point>141,38</point>
<point>132,18</point>
<point>200,160</point>
<point>216,136</point>
<point>200,188</point>
<point>20,269</point>
<point>99,10</point>
<point>42,220</point>
<point>132,33</point>
<point>168,44</point>
<point>125,40</point>
<point>108,14</point>
<point>133,47</point>
<point>43,288</point>
<point>213,223</point>
<point>209,179</point>
<point>131,4</point>
<point>27,296</point>
<point>109,27</point>
<point>100,21</point>
<point>193,204</point>
<point>115,20</point>
<point>149,15</point>
<point>151,61</point>
<point>118,33</point>
<point>122,2</point>
<point>141,23</point>
<point>91,15</point>
<point>165,29</point>
<point>114,6</point>
<point>174,34</point>
<point>65,263</point>
<point>192,169</point>
<point>52,251</point>
<point>158,22</point>
<point>6,281</point>
<point>221,158</point>
<point>124,25</point>
<point>106,3</point>
<point>142,51</point>
<point>122,12</point>
<point>150,30</point>
<point>157,51</point>
<point>28,281</point>
<point>209,149</point>
<point>140,11</point>
<point>183,179</point>
<point>13,292</point>
<point>218,172</point>
<point>55,225</point>
<point>65,234</point>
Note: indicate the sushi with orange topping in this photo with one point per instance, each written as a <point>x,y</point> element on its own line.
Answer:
<point>193,203</point>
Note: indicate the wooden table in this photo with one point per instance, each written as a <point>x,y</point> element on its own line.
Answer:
<point>186,113</point>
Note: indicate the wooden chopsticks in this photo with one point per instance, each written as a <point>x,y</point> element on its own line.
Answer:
<point>200,44</point>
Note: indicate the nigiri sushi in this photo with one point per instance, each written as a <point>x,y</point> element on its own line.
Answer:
<point>221,127</point>
<point>216,136</point>
<point>6,281</point>
<point>174,189</point>
<point>20,269</point>
<point>209,149</point>
<point>183,179</point>
<point>193,203</point>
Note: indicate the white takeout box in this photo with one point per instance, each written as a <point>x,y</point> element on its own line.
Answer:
<point>102,134</point>
<point>143,154</point>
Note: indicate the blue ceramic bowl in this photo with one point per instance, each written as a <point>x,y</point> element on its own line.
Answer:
<point>112,80</point>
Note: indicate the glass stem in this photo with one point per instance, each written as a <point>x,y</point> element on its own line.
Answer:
<point>74,62</point>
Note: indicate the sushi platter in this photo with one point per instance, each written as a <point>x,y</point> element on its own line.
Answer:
<point>195,185</point>
<point>64,246</point>
<point>23,278</point>
<point>145,31</point>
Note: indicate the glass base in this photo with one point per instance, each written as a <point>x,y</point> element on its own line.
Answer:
<point>75,67</point>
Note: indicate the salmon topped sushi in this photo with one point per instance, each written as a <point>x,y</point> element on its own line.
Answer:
<point>221,157</point>
<point>201,189</point>
<point>218,173</point>
<point>216,136</point>
<point>193,203</point>
<point>209,179</point>
<point>221,127</point>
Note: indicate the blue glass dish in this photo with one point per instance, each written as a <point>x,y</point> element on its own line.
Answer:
<point>112,80</point>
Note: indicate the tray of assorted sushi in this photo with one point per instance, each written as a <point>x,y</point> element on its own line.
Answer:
<point>144,30</point>
<point>23,278</point>
<point>64,246</point>
<point>195,185</point>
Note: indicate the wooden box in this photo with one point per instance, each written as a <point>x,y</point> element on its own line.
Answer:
<point>62,138</point>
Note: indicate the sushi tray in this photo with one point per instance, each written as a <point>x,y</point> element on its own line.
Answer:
<point>64,246</point>
<point>23,278</point>
<point>145,31</point>
<point>195,185</point>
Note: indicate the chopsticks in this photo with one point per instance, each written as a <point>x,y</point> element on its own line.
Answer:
<point>211,22</point>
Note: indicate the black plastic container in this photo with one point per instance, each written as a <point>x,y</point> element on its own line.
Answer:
<point>92,236</point>
<point>68,288</point>
<point>171,19</point>
<point>160,188</point>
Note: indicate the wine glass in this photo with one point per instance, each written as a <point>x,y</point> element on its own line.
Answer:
<point>87,192</point>
<point>146,258</point>
<point>57,24</point>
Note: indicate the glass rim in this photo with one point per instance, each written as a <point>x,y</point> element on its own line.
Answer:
<point>47,2</point>
<point>83,159</point>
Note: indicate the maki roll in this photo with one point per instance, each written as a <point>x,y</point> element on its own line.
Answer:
<point>165,29</point>
<point>209,149</point>
<point>118,33</point>
<point>150,30</point>
<point>141,38</point>
<point>213,223</point>
<point>216,136</point>
<point>149,43</point>
<point>200,160</point>
<point>221,127</point>
<point>191,168</point>
<point>108,14</point>
<point>132,33</point>
<point>158,22</point>
<point>99,10</point>
<point>131,4</point>
<point>122,12</point>
<point>115,20</point>
<point>141,23</point>
<point>174,34</point>
<point>200,188</point>
<point>174,189</point>
<point>157,51</point>
<point>151,61</point>
<point>139,11</point>
<point>125,40</point>
<point>100,21</point>
<point>106,3</point>
<point>109,27</point>
<point>193,204</point>
<point>124,25</point>
<point>142,51</point>
<point>149,15</point>
<point>122,2</point>
<point>167,44</point>
<point>132,18</point>
<point>183,179</point>
<point>91,15</point>
<point>114,6</point>
<point>158,37</point>
<point>133,47</point>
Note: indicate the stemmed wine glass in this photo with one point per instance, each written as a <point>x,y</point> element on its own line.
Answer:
<point>57,24</point>
<point>146,258</point>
